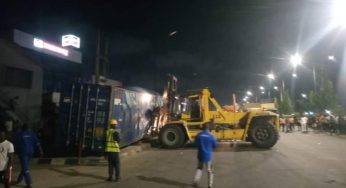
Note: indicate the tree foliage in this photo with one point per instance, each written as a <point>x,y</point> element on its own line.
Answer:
<point>303,105</point>
<point>324,99</point>
<point>286,106</point>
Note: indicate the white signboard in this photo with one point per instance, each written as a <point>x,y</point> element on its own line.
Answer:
<point>42,44</point>
<point>34,43</point>
<point>70,40</point>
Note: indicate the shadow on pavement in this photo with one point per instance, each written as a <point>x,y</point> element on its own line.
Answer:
<point>247,147</point>
<point>73,172</point>
<point>163,181</point>
<point>16,185</point>
<point>81,185</point>
<point>229,147</point>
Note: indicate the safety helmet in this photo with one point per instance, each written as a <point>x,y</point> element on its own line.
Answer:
<point>114,122</point>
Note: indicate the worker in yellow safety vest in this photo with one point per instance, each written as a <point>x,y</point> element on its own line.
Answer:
<point>112,150</point>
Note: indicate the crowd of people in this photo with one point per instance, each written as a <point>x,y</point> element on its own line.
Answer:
<point>304,123</point>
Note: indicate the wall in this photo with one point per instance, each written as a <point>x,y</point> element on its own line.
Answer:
<point>30,99</point>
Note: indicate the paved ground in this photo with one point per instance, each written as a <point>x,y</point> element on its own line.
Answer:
<point>298,160</point>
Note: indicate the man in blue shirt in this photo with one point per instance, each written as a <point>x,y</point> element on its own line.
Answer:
<point>26,142</point>
<point>205,142</point>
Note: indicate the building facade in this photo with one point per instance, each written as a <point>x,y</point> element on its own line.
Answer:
<point>20,84</point>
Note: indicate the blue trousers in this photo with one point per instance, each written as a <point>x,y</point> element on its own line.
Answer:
<point>113,164</point>
<point>24,173</point>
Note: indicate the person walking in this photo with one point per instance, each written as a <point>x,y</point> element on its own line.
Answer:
<point>112,150</point>
<point>26,141</point>
<point>6,158</point>
<point>205,142</point>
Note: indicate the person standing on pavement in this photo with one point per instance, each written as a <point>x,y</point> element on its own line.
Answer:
<point>26,141</point>
<point>291,123</point>
<point>304,122</point>
<point>287,124</point>
<point>112,150</point>
<point>6,158</point>
<point>205,142</point>
<point>282,121</point>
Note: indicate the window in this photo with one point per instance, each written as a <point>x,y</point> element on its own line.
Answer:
<point>195,108</point>
<point>16,77</point>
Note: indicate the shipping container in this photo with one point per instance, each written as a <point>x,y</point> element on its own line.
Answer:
<point>84,111</point>
<point>83,116</point>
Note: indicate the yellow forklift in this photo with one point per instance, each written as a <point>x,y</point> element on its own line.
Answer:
<point>188,112</point>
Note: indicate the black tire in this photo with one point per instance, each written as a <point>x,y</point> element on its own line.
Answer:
<point>264,135</point>
<point>172,136</point>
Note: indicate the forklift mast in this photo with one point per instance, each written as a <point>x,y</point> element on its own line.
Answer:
<point>170,96</point>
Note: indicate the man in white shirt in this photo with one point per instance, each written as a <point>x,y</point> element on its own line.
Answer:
<point>304,122</point>
<point>6,157</point>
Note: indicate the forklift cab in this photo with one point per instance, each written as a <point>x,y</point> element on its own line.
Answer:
<point>190,109</point>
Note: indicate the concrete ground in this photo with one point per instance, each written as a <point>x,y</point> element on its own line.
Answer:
<point>298,160</point>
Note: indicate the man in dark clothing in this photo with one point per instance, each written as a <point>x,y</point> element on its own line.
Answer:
<point>112,150</point>
<point>26,142</point>
<point>205,142</point>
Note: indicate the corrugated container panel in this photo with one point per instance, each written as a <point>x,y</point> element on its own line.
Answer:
<point>65,105</point>
<point>83,116</point>
<point>130,109</point>
<point>95,117</point>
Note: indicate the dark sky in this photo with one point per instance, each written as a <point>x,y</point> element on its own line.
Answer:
<point>227,45</point>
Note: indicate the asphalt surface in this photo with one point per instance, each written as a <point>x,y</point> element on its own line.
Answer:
<point>297,160</point>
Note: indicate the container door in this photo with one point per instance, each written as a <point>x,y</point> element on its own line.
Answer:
<point>95,118</point>
<point>68,115</point>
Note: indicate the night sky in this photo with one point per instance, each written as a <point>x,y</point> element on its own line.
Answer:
<point>228,46</point>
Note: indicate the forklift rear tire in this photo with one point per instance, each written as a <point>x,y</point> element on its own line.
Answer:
<point>172,136</point>
<point>264,135</point>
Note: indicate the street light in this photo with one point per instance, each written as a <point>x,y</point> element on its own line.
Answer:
<point>332,58</point>
<point>328,112</point>
<point>276,87</point>
<point>249,93</point>
<point>339,13</point>
<point>304,95</point>
<point>294,75</point>
<point>261,87</point>
<point>296,60</point>
<point>271,76</point>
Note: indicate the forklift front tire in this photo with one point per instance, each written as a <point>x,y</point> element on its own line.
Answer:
<point>172,136</point>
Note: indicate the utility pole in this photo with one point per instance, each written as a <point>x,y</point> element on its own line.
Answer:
<point>234,100</point>
<point>97,60</point>
<point>282,90</point>
<point>314,77</point>
<point>105,60</point>
<point>101,62</point>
